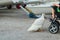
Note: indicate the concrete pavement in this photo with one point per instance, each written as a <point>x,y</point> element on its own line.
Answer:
<point>14,24</point>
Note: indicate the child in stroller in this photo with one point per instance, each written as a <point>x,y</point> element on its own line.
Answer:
<point>54,26</point>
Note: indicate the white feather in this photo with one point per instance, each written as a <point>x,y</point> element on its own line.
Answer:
<point>37,24</point>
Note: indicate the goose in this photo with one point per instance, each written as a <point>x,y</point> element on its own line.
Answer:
<point>37,25</point>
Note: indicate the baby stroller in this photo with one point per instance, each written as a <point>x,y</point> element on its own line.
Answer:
<point>54,26</point>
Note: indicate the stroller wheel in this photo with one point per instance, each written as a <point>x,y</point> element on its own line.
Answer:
<point>54,28</point>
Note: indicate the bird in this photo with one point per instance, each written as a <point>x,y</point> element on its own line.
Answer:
<point>38,23</point>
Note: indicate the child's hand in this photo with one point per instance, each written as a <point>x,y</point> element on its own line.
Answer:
<point>53,17</point>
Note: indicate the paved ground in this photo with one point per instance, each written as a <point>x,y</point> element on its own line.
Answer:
<point>14,24</point>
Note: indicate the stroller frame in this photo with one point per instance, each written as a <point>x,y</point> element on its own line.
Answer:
<point>54,26</point>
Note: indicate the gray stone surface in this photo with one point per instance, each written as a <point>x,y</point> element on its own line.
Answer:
<point>14,24</point>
